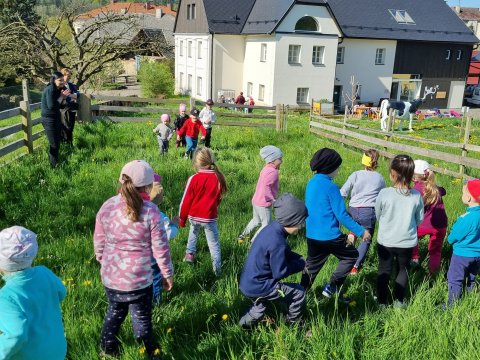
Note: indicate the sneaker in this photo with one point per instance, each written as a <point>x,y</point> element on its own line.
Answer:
<point>189,258</point>
<point>185,156</point>
<point>354,271</point>
<point>351,239</point>
<point>329,291</point>
<point>397,304</point>
<point>414,263</point>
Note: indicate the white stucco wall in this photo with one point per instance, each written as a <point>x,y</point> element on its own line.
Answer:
<point>193,65</point>
<point>320,13</point>
<point>359,60</point>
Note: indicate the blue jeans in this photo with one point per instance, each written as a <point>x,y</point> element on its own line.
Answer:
<point>157,283</point>
<point>461,269</point>
<point>211,233</point>
<point>191,145</point>
<point>365,216</point>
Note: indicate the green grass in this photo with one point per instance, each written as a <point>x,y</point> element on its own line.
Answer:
<point>60,206</point>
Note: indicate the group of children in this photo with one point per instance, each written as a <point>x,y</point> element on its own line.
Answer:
<point>186,128</point>
<point>131,244</point>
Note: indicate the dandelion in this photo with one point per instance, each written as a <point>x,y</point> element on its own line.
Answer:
<point>182,308</point>
<point>240,242</point>
<point>352,303</point>
<point>142,350</point>
<point>156,352</point>
<point>69,280</point>
<point>87,282</point>
<point>169,330</point>
<point>224,317</point>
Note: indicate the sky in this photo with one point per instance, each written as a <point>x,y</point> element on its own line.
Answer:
<point>465,3</point>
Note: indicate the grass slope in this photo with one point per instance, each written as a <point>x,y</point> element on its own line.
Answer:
<point>60,206</point>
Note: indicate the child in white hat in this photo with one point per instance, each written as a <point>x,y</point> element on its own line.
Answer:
<point>266,191</point>
<point>31,324</point>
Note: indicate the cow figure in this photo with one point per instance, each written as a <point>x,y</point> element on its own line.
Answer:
<point>403,109</point>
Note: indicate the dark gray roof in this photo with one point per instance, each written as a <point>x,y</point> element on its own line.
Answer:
<point>227,16</point>
<point>265,16</point>
<point>434,20</point>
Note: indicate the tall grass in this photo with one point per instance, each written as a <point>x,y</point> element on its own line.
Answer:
<point>60,206</point>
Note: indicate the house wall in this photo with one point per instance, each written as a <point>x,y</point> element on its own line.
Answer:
<point>359,61</point>
<point>258,72</point>
<point>193,65</point>
<point>197,25</point>
<point>229,56</point>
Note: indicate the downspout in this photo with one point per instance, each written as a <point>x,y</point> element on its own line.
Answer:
<point>211,69</point>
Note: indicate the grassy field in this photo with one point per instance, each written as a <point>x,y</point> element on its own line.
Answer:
<point>60,206</point>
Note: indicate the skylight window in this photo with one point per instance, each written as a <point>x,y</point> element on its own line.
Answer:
<point>401,17</point>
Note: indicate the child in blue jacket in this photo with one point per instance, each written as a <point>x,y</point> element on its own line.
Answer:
<point>31,326</point>
<point>465,238</point>
<point>270,260</point>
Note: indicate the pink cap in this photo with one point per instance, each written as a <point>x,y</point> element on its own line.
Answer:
<point>139,171</point>
<point>165,117</point>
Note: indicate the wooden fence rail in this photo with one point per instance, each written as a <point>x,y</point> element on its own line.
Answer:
<point>349,134</point>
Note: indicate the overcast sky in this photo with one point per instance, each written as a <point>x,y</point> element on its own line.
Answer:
<point>466,3</point>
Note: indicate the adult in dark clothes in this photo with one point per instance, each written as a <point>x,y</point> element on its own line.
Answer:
<point>53,98</point>
<point>240,100</point>
<point>69,112</point>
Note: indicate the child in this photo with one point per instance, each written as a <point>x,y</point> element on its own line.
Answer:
<point>399,211</point>
<point>164,133</point>
<point>363,187</point>
<point>128,232</point>
<point>465,239</point>
<point>199,205</point>
<point>270,260</point>
<point>30,317</point>
<point>435,219</point>
<point>326,211</point>
<point>190,129</point>
<point>266,191</point>
<point>179,121</point>
<point>208,118</point>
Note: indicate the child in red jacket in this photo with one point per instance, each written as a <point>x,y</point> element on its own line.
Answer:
<point>190,130</point>
<point>199,205</point>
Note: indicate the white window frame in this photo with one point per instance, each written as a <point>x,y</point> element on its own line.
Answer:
<point>261,92</point>
<point>189,49</point>
<point>180,80</point>
<point>318,55</point>
<point>189,82</point>
<point>294,53</point>
<point>380,55</point>
<point>449,54</point>
<point>249,89</point>
<point>199,85</point>
<point>263,52</point>
<point>302,95</point>
<point>459,54</point>
<point>181,48</point>
<point>341,54</point>
<point>199,49</point>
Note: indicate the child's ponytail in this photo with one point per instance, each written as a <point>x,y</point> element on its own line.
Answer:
<point>430,193</point>
<point>204,159</point>
<point>132,198</point>
<point>221,179</point>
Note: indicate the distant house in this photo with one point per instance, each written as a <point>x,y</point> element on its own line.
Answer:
<point>153,23</point>
<point>470,16</point>
<point>293,51</point>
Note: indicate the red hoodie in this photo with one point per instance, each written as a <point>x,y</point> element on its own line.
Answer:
<point>201,198</point>
<point>192,128</point>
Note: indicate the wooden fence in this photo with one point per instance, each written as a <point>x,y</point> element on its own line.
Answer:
<point>365,138</point>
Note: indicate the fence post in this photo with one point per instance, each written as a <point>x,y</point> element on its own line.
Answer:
<point>25,90</point>
<point>278,117</point>
<point>27,125</point>
<point>192,103</point>
<point>85,107</point>
<point>285,118</point>
<point>466,138</point>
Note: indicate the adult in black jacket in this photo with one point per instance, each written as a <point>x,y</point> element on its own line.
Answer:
<point>53,98</point>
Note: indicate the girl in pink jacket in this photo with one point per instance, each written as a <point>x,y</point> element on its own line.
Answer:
<point>266,191</point>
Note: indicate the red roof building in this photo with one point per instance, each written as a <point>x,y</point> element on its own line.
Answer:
<point>474,70</point>
<point>129,8</point>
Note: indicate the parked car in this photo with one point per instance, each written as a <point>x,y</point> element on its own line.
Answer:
<point>475,99</point>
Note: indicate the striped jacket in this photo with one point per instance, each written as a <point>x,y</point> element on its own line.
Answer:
<point>201,198</point>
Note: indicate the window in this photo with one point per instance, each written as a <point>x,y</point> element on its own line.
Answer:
<point>449,53</point>
<point>188,12</point>
<point>302,95</point>
<point>193,15</point>
<point>181,47</point>
<point>317,55</point>
<point>180,80</point>
<point>340,55</point>
<point>459,54</point>
<point>189,82</point>
<point>306,23</point>
<point>249,89</point>
<point>294,54</point>
<point>380,57</point>
<point>189,49</point>
<point>401,17</point>
<point>199,85</point>
<point>261,92</point>
<point>199,49</point>
<point>263,53</point>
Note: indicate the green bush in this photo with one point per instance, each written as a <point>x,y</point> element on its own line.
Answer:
<point>156,79</point>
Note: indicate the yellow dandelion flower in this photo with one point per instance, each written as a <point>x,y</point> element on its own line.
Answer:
<point>69,279</point>
<point>156,352</point>
<point>169,330</point>
<point>353,303</point>
<point>142,350</point>
<point>240,242</point>
<point>87,282</point>
<point>224,317</point>
<point>64,283</point>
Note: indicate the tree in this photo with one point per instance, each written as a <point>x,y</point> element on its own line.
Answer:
<point>156,79</point>
<point>13,10</point>
<point>351,96</point>
<point>38,50</point>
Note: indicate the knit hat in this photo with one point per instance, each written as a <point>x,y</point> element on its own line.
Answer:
<point>18,247</point>
<point>194,112</point>
<point>473,187</point>
<point>270,153</point>
<point>209,102</point>
<point>325,161</point>
<point>165,117</point>
<point>139,171</point>
<point>421,167</point>
<point>182,107</point>
<point>290,211</point>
